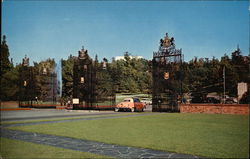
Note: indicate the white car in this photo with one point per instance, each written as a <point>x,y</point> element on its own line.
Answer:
<point>146,101</point>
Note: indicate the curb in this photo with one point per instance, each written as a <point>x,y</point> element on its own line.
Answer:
<point>11,109</point>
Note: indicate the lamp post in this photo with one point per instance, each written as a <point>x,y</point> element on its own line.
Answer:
<point>224,86</point>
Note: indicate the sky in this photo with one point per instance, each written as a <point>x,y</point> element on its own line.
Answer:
<point>56,29</point>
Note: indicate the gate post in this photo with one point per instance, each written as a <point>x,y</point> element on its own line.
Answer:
<point>167,80</point>
<point>83,84</point>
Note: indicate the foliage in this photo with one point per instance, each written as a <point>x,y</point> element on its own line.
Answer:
<point>4,60</point>
<point>67,78</point>
<point>104,82</point>
<point>203,76</point>
<point>131,75</point>
<point>45,80</point>
<point>8,74</point>
<point>10,85</point>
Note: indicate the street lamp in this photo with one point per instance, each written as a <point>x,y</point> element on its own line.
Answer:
<point>82,80</point>
<point>24,83</point>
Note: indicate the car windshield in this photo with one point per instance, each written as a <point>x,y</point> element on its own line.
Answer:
<point>136,100</point>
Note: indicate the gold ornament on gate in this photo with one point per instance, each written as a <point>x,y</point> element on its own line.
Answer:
<point>166,75</point>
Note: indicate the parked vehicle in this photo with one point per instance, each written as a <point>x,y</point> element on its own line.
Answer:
<point>130,104</point>
<point>146,101</point>
<point>228,100</point>
<point>212,100</point>
<point>231,100</point>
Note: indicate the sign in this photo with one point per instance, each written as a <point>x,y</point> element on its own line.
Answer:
<point>166,75</point>
<point>242,88</point>
<point>75,100</point>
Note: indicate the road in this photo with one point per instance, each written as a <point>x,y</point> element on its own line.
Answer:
<point>48,113</point>
<point>18,115</point>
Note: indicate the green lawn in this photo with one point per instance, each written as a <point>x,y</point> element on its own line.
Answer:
<point>20,149</point>
<point>208,135</point>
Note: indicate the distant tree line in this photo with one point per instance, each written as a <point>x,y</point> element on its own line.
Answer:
<point>203,76</point>
<point>40,80</point>
<point>131,75</point>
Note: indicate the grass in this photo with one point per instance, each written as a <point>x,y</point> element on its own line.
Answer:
<point>208,135</point>
<point>20,149</point>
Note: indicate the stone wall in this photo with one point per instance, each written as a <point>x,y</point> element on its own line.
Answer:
<point>9,104</point>
<point>215,108</point>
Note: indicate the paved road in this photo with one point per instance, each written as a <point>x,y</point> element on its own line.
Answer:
<point>99,148</point>
<point>48,113</point>
<point>71,120</point>
<point>54,113</point>
<point>148,108</point>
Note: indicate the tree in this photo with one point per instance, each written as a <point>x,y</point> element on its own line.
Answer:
<point>67,78</point>
<point>10,85</point>
<point>5,62</point>
<point>131,75</point>
<point>206,76</point>
<point>45,80</point>
<point>8,74</point>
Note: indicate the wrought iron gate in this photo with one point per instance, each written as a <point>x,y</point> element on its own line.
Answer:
<point>92,86</point>
<point>26,84</point>
<point>167,76</point>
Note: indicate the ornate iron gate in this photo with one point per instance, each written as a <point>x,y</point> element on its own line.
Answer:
<point>83,81</point>
<point>105,91</point>
<point>167,76</point>
<point>26,84</point>
<point>92,86</point>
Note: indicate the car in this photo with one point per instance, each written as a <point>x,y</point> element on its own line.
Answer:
<point>146,101</point>
<point>228,100</point>
<point>231,100</point>
<point>130,104</point>
<point>212,100</point>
